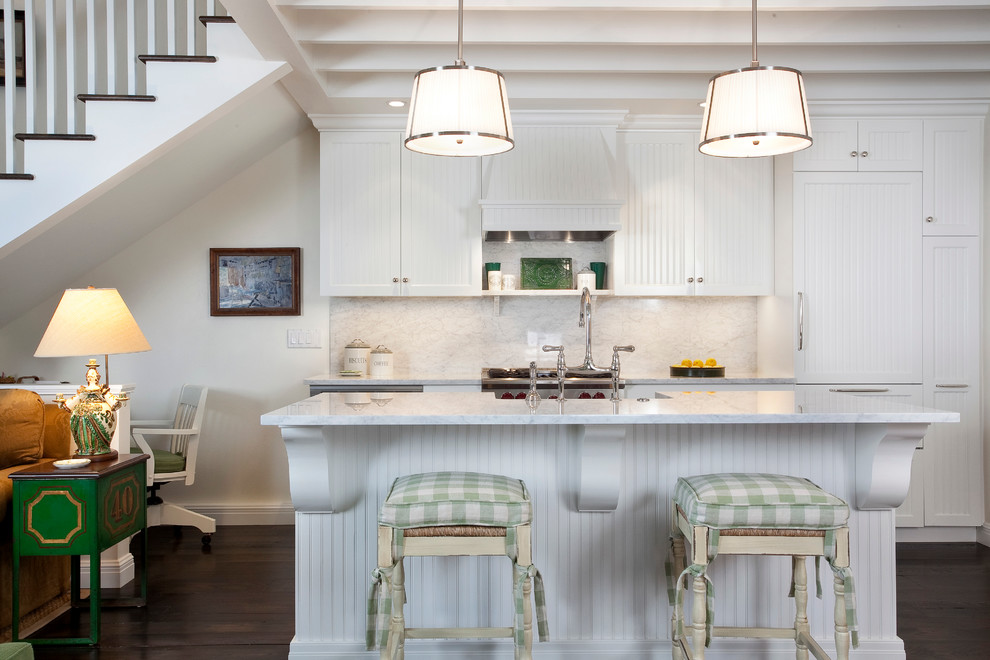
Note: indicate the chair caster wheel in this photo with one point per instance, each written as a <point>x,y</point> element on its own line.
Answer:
<point>207,539</point>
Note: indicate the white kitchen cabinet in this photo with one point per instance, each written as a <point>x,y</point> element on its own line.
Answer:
<point>857,277</point>
<point>953,177</point>
<point>947,475</point>
<point>692,224</point>
<point>396,223</point>
<point>894,392</point>
<point>865,145</point>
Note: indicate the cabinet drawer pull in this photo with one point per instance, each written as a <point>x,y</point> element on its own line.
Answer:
<point>929,219</point>
<point>700,280</point>
<point>395,280</point>
<point>405,280</point>
<point>853,154</point>
<point>955,386</point>
<point>800,321</point>
<point>690,279</point>
<point>859,390</point>
<point>865,154</point>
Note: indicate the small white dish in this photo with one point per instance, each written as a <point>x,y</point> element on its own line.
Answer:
<point>69,463</point>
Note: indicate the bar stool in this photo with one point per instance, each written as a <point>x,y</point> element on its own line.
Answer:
<point>758,514</point>
<point>453,514</point>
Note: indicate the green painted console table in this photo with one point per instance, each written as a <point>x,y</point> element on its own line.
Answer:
<point>81,511</point>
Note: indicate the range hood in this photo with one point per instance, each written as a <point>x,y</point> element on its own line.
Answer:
<point>557,184</point>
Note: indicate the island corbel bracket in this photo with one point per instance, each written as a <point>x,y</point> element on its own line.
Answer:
<point>883,463</point>
<point>597,467</point>
<point>309,460</point>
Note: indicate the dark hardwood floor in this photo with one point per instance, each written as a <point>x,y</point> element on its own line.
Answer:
<point>236,601</point>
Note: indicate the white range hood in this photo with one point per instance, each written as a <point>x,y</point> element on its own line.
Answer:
<point>558,183</point>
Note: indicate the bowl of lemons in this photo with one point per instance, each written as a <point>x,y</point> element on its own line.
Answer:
<point>689,368</point>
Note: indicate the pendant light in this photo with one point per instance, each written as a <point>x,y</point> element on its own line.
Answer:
<point>459,110</point>
<point>755,111</point>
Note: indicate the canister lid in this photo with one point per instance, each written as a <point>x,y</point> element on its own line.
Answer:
<point>357,343</point>
<point>586,271</point>
<point>380,349</point>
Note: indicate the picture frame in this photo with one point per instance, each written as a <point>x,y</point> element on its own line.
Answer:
<point>255,281</point>
<point>20,79</point>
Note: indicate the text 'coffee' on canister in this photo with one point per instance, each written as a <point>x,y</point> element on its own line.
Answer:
<point>381,362</point>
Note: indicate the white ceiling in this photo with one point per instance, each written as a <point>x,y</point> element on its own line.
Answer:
<point>645,56</point>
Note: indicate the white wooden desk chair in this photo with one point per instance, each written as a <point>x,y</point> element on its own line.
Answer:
<point>173,446</point>
<point>757,514</point>
<point>444,514</point>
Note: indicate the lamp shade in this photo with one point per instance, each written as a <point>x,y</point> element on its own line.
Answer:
<point>459,110</point>
<point>91,322</point>
<point>755,111</point>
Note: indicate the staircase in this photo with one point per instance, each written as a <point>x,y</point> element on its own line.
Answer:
<point>166,75</point>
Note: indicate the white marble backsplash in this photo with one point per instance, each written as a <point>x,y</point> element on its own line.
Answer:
<point>459,336</point>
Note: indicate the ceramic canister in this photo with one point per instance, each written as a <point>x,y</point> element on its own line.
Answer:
<point>381,362</point>
<point>356,356</point>
<point>586,278</point>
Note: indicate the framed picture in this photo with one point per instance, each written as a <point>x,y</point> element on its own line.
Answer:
<point>18,49</point>
<point>254,281</point>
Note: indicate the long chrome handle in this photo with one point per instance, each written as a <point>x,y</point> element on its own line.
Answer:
<point>859,390</point>
<point>956,386</point>
<point>800,321</point>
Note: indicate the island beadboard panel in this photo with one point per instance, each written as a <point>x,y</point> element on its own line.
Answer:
<point>604,572</point>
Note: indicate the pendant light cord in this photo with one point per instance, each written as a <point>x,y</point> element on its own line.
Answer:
<point>460,32</point>
<point>756,60</point>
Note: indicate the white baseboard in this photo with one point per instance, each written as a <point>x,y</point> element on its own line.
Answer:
<point>983,535</point>
<point>253,514</point>
<point>721,649</point>
<point>115,572</point>
<point>937,534</point>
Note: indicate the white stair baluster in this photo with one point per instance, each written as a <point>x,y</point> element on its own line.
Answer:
<point>50,63</point>
<point>131,27</point>
<point>191,27</point>
<point>9,74</point>
<point>90,50</point>
<point>170,27</point>
<point>30,68</point>
<point>111,41</point>
<point>70,67</point>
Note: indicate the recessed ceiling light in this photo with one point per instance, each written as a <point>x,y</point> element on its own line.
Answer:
<point>396,103</point>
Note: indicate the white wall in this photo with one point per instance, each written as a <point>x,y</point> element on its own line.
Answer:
<point>242,472</point>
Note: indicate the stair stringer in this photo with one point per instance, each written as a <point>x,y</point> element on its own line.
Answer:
<point>190,96</point>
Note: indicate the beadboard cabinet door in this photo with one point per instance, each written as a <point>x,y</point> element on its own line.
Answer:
<point>692,224</point>
<point>654,250</point>
<point>953,177</point>
<point>947,481</point>
<point>857,277</point>
<point>360,249</point>
<point>733,246</point>
<point>865,145</point>
<point>441,225</point>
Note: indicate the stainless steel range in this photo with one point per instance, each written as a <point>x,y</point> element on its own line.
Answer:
<point>513,383</point>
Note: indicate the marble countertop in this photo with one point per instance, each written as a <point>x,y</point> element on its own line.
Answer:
<point>756,407</point>
<point>631,378</point>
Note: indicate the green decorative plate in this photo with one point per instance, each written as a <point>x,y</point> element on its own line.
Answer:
<point>546,273</point>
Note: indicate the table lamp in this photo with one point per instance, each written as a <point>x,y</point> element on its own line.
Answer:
<point>90,322</point>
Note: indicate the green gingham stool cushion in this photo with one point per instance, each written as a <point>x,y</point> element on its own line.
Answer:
<point>456,498</point>
<point>733,501</point>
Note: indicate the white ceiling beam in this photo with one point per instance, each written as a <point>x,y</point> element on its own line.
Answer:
<point>640,59</point>
<point>642,27</point>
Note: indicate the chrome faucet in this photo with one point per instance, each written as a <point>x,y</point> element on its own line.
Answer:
<point>584,321</point>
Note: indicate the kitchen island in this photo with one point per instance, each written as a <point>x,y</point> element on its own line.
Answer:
<point>600,474</point>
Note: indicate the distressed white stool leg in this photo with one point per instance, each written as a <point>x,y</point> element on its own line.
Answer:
<point>800,605</point>
<point>699,615</point>
<point>841,625</point>
<point>677,568</point>
<point>397,631</point>
<point>524,557</point>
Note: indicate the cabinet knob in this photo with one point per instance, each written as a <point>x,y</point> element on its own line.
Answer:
<point>405,280</point>
<point>865,154</point>
<point>395,280</point>
<point>690,279</point>
<point>853,154</point>
<point>929,219</point>
<point>700,280</point>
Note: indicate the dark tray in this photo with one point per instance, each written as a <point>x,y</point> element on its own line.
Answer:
<point>697,372</point>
